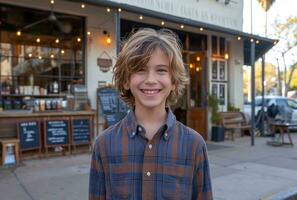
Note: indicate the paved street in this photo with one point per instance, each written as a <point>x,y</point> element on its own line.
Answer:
<point>239,172</point>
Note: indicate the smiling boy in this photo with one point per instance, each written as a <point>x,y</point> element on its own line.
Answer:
<point>149,155</point>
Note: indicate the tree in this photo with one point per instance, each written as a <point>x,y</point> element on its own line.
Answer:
<point>271,79</point>
<point>287,32</point>
<point>266,4</point>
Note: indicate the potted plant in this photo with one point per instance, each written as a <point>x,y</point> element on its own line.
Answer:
<point>217,131</point>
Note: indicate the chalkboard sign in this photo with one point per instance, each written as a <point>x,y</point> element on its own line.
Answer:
<point>81,131</point>
<point>108,98</point>
<point>110,107</point>
<point>29,135</point>
<point>114,118</point>
<point>56,132</point>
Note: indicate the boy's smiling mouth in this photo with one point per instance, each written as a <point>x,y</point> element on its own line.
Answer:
<point>150,91</point>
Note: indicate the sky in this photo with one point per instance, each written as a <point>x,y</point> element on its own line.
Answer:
<point>280,10</point>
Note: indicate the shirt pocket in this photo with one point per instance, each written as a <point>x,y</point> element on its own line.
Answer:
<point>121,181</point>
<point>177,182</point>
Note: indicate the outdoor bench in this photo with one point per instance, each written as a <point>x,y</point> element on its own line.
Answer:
<point>234,121</point>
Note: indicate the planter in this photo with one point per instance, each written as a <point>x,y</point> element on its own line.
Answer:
<point>217,134</point>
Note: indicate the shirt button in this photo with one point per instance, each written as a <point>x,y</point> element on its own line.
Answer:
<point>133,133</point>
<point>139,129</point>
<point>166,135</point>
<point>150,146</point>
<point>148,173</point>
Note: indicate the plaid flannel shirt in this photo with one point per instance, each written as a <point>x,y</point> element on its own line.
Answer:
<point>126,165</point>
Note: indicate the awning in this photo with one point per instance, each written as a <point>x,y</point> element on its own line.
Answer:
<point>262,44</point>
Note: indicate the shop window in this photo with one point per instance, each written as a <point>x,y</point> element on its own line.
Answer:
<point>218,46</point>
<point>197,42</point>
<point>46,55</point>
<point>219,68</point>
<point>214,45</point>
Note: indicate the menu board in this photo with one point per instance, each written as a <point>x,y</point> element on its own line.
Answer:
<point>29,135</point>
<point>57,132</point>
<point>114,118</point>
<point>81,131</point>
<point>112,108</point>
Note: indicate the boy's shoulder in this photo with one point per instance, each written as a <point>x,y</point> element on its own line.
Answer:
<point>109,132</point>
<point>191,133</point>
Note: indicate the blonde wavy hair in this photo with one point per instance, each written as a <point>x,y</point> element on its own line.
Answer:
<point>136,53</point>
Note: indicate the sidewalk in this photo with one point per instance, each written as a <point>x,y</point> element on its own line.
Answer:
<point>239,172</point>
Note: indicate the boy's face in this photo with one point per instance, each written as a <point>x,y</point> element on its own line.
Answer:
<point>152,84</point>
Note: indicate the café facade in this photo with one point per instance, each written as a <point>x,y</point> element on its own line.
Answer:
<point>52,48</point>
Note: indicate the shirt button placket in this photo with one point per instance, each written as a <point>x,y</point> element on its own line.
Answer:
<point>148,172</point>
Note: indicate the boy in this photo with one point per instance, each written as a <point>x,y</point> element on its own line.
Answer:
<point>149,155</point>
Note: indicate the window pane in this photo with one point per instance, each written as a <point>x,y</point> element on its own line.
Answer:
<point>214,44</point>
<point>222,46</point>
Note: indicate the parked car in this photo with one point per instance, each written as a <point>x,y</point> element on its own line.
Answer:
<point>287,108</point>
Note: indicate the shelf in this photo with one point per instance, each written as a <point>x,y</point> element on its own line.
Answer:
<point>37,96</point>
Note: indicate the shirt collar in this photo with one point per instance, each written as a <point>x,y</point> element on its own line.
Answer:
<point>132,126</point>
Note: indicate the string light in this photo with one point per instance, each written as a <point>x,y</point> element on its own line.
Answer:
<point>19,33</point>
<point>252,40</point>
<point>182,26</point>
<point>198,58</point>
<point>226,56</point>
<point>62,51</point>
<point>39,57</point>
<point>57,40</point>
<point>119,9</point>
<point>30,55</point>
<point>52,1</point>
<point>197,69</point>
<point>238,38</point>
<point>191,65</point>
<point>162,23</point>
<point>78,39</point>
<point>108,40</point>
<point>141,17</point>
<point>201,29</point>
<point>108,9</point>
<point>257,42</point>
<point>88,33</point>
<point>38,40</point>
<point>52,56</point>
<point>82,5</point>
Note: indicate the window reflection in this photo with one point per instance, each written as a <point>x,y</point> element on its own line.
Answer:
<point>42,54</point>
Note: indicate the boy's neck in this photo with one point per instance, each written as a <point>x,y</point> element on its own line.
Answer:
<point>150,118</point>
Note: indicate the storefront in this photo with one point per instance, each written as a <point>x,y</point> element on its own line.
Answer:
<point>76,37</point>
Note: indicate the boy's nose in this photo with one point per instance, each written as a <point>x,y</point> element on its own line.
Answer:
<point>151,77</point>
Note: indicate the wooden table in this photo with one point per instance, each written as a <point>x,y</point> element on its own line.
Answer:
<point>283,129</point>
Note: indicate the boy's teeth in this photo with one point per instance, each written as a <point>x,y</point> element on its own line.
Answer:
<point>150,91</point>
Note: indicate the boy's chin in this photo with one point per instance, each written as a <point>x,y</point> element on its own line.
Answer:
<point>151,105</point>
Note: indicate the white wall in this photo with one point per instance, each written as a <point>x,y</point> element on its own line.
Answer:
<point>235,73</point>
<point>208,11</point>
<point>97,21</point>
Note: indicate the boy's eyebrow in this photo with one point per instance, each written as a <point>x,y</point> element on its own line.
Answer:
<point>162,65</point>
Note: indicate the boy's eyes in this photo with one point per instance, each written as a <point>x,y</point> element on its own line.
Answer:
<point>141,70</point>
<point>162,70</point>
<point>158,70</point>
